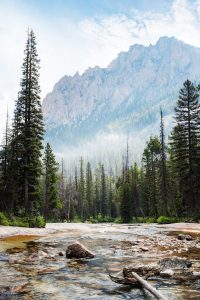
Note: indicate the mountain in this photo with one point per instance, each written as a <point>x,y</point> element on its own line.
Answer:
<point>123,98</point>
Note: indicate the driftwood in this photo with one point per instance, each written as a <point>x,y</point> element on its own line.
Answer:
<point>148,287</point>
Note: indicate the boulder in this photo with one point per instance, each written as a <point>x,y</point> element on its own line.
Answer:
<point>77,250</point>
<point>186,237</point>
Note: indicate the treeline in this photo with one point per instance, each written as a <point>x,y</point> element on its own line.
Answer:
<point>34,189</point>
<point>164,187</point>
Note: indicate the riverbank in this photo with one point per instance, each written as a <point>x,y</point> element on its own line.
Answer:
<point>6,231</point>
<point>51,228</point>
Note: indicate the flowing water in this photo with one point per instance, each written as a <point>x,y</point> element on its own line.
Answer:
<point>31,267</point>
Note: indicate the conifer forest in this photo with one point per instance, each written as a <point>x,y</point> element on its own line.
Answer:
<point>163,187</point>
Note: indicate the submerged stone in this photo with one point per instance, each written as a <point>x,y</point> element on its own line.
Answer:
<point>167,273</point>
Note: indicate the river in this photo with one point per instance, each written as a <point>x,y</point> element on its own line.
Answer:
<point>32,266</point>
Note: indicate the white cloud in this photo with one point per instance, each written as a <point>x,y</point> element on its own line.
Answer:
<point>117,32</point>
<point>66,47</point>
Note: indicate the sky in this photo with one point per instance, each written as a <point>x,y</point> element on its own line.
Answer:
<point>73,35</point>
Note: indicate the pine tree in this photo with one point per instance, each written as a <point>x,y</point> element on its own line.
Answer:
<point>70,196</point>
<point>175,181</point>
<point>97,194</point>
<point>51,183</point>
<point>76,179</point>
<point>28,130</point>
<point>163,168</point>
<point>142,185</point>
<point>185,143</point>
<point>125,203</point>
<point>13,184</point>
<point>62,181</point>
<point>5,155</point>
<point>81,200</point>
<point>125,191</point>
<point>103,192</point>
<point>135,201</point>
<point>5,197</point>
<point>89,191</point>
<point>111,208</point>
<point>150,159</point>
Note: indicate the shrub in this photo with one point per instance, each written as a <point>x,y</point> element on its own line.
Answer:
<point>92,220</point>
<point>4,220</point>
<point>20,222</point>
<point>166,220</point>
<point>100,218</point>
<point>136,220</point>
<point>38,222</point>
<point>118,220</point>
<point>108,219</point>
<point>197,217</point>
<point>149,220</point>
<point>76,219</point>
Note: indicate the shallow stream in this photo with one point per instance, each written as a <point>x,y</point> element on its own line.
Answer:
<point>35,270</point>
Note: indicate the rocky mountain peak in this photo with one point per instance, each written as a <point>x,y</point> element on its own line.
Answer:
<point>125,96</point>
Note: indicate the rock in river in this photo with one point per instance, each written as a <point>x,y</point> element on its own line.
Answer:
<point>77,250</point>
<point>186,237</point>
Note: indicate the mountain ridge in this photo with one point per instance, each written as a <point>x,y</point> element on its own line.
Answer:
<point>126,96</point>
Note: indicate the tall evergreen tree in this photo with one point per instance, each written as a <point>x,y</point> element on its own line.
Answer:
<point>28,130</point>
<point>5,154</point>
<point>151,157</point>
<point>125,203</point>
<point>97,192</point>
<point>135,201</point>
<point>76,179</point>
<point>5,196</point>
<point>81,200</point>
<point>103,191</point>
<point>185,143</point>
<point>89,190</point>
<point>125,191</point>
<point>111,209</point>
<point>51,183</point>
<point>163,168</point>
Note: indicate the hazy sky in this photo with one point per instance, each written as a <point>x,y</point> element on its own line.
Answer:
<point>75,34</point>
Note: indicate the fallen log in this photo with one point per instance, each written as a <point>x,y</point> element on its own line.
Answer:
<point>128,277</point>
<point>148,287</point>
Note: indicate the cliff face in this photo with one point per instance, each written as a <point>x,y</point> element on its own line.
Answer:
<point>126,96</point>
